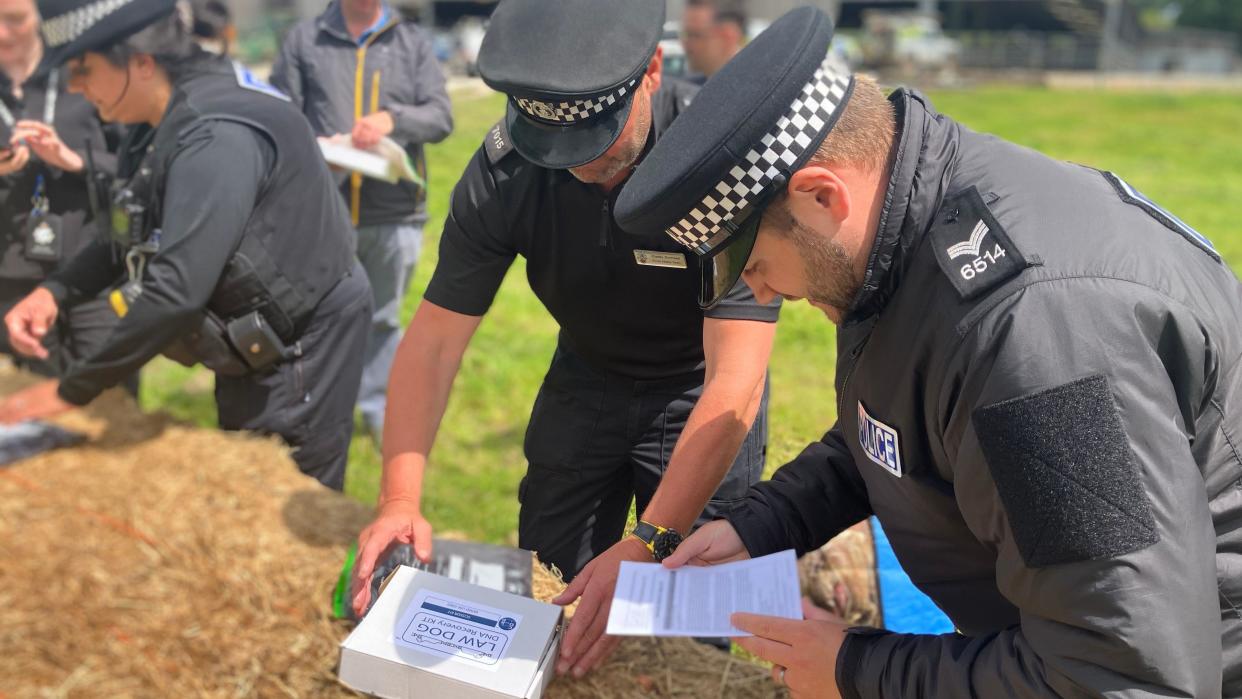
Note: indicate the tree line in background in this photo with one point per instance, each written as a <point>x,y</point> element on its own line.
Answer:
<point>1222,15</point>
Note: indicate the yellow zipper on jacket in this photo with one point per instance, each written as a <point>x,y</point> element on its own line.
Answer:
<point>355,178</point>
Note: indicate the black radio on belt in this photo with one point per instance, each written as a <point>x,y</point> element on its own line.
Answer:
<point>257,342</point>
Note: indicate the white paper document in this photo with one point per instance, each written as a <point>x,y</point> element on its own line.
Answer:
<point>387,161</point>
<point>651,600</point>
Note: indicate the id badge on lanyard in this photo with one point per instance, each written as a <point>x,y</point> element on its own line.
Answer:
<point>43,228</point>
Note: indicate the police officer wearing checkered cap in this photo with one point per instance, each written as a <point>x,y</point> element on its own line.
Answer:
<point>228,245</point>
<point>647,396</point>
<point>1037,387</point>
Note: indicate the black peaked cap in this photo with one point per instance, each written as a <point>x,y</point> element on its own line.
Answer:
<point>754,124</point>
<point>70,28</point>
<point>570,69</point>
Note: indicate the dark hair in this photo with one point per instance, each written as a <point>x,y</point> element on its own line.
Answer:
<point>169,41</point>
<point>726,10</point>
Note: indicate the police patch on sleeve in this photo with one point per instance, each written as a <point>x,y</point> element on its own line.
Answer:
<point>249,81</point>
<point>879,442</point>
<point>973,250</point>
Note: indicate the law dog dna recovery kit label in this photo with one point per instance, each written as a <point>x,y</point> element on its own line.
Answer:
<point>456,628</point>
<point>432,636</point>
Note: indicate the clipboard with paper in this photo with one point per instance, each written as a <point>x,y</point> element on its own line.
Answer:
<point>386,161</point>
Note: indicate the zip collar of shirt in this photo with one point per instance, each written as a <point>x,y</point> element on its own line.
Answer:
<point>375,28</point>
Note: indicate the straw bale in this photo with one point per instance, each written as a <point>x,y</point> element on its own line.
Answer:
<point>161,560</point>
<point>841,576</point>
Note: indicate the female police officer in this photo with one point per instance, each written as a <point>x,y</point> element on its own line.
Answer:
<point>230,245</point>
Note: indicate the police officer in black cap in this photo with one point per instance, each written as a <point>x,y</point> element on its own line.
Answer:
<point>229,245</point>
<point>45,136</point>
<point>647,395</point>
<point>1038,387</point>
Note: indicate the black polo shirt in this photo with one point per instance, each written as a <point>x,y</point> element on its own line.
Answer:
<point>638,320</point>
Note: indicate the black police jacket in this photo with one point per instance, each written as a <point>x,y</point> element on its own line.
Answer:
<point>248,219</point>
<point>1038,396</point>
<point>625,304</point>
<point>77,124</point>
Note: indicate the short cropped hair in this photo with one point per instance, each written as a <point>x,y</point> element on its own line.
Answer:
<point>862,137</point>
<point>864,133</point>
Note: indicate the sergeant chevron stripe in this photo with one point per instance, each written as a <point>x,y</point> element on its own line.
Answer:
<point>970,247</point>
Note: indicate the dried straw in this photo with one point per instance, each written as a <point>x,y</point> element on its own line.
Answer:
<point>161,560</point>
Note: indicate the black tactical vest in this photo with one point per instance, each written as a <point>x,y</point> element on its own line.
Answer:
<point>298,242</point>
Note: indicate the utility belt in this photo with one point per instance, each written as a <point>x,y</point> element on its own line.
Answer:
<point>234,347</point>
<point>244,329</point>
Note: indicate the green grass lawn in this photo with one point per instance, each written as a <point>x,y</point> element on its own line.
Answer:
<point>1184,151</point>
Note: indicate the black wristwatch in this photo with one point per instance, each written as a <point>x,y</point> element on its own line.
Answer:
<point>660,541</point>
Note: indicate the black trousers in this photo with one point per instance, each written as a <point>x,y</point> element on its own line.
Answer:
<point>309,401</point>
<point>597,442</point>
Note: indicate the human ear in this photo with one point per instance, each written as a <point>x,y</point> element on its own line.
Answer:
<point>817,192</point>
<point>655,70</point>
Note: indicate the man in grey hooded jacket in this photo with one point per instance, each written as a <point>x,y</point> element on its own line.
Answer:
<point>1038,382</point>
<point>359,69</point>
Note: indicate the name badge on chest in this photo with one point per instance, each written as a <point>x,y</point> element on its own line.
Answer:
<point>655,258</point>
<point>879,442</point>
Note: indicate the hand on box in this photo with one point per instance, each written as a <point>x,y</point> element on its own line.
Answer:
<point>586,645</point>
<point>398,522</point>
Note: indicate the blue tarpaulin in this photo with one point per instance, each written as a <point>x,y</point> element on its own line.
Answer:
<point>906,609</point>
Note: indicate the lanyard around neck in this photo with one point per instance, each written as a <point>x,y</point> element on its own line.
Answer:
<point>49,102</point>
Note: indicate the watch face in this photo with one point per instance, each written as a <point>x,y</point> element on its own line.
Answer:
<point>665,544</point>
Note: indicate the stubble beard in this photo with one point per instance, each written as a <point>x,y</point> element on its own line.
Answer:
<point>831,277</point>
<point>606,167</point>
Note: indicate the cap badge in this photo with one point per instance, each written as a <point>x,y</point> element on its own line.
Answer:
<point>542,110</point>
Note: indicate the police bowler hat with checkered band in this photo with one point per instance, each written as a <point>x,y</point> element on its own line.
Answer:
<point>570,69</point>
<point>70,28</point>
<point>754,124</point>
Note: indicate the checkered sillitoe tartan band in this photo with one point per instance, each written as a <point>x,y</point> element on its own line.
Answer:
<point>701,229</point>
<point>62,29</point>
<point>570,112</point>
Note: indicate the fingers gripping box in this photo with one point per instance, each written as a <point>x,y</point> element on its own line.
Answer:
<point>431,636</point>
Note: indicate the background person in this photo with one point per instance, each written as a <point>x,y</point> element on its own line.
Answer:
<point>359,69</point>
<point>712,32</point>
<point>45,213</point>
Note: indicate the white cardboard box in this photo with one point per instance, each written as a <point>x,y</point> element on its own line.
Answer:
<point>430,636</point>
